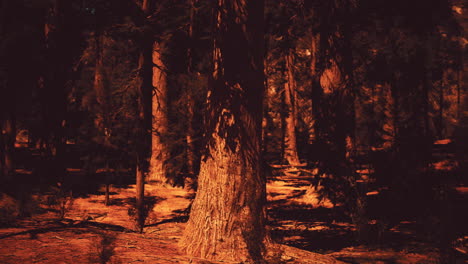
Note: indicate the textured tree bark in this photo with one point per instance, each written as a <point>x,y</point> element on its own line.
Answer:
<point>228,216</point>
<point>290,119</point>
<point>159,152</point>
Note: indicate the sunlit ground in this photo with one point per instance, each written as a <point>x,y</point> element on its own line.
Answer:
<point>91,232</point>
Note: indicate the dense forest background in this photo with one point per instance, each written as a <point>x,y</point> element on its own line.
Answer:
<point>365,99</point>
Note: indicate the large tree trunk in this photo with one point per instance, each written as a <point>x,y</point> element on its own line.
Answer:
<point>290,150</point>
<point>159,153</point>
<point>228,216</point>
<point>155,112</point>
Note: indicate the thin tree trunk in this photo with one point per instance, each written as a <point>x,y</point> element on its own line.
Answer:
<point>228,216</point>
<point>427,86</point>
<point>101,120</point>
<point>283,127</point>
<point>459,74</point>
<point>440,129</point>
<point>316,90</point>
<point>140,196</point>
<point>5,92</point>
<point>9,137</point>
<point>108,182</point>
<point>2,153</point>
<point>290,120</point>
<point>266,122</point>
<point>99,83</point>
<point>143,145</point>
<point>395,94</point>
<point>4,17</point>
<point>191,155</point>
<point>145,139</point>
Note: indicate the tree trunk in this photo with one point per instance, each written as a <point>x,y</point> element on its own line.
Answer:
<point>7,114</point>
<point>102,122</point>
<point>53,81</point>
<point>459,71</point>
<point>159,153</point>
<point>440,125</point>
<point>140,196</point>
<point>191,155</point>
<point>99,85</point>
<point>290,120</point>
<point>3,24</point>
<point>228,216</point>
<point>2,153</point>
<point>395,94</point>
<point>144,132</point>
<point>316,91</point>
<point>153,114</point>
<point>266,122</point>
<point>9,138</point>
<point>283,128</point>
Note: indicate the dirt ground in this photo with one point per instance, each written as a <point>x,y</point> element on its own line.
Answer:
<point>91,232</point>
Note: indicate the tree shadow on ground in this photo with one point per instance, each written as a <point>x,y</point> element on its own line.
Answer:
<point>104,248</point>
<point>174,219</point>
<point>327,230</point>
<point>68,224</point>
<point>313,229</point>
<point>150,201</point>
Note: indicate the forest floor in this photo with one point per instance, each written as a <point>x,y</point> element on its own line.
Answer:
<point>91,232</point>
